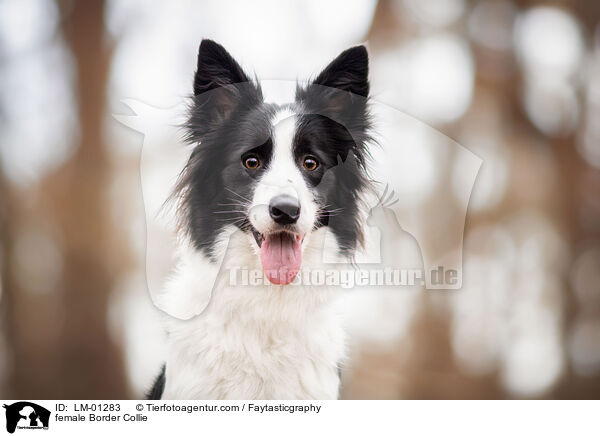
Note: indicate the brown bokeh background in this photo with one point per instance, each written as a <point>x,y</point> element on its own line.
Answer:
<point>516,82</point>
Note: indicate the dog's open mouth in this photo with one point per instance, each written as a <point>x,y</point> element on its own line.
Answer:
<point>280,255</point>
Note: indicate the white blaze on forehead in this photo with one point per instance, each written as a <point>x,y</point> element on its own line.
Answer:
<point>282,114</point>
<point>282,177</point>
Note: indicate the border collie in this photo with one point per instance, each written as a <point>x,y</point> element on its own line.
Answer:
<point>261,189</point>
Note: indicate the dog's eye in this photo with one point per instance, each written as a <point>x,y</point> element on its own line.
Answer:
<point>310,163</point>
<point>251,162</point>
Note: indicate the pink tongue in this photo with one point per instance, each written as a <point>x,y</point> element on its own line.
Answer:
<point>281,257</point>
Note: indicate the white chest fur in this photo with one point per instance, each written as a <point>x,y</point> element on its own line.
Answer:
<point>251,342</point>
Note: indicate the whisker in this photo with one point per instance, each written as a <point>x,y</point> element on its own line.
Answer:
<point>331,212</point>
<point>233,204</point>
<point>232,220</point>
<point>230,211</point>
<point>241,196</point>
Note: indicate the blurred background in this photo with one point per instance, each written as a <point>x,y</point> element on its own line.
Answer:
<point>516,82</point>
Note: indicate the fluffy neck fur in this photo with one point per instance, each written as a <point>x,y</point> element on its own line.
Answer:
<point>261,342</point>
<point>264,342</point>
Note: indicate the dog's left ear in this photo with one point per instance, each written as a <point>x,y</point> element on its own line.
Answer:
<point>342,88</point>
<point>348,72</point>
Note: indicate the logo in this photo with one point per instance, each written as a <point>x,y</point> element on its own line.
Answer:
<point>26,415</point>
<point>413,162</point>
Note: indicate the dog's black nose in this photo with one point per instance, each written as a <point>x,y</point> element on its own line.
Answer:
<point>284,209</point>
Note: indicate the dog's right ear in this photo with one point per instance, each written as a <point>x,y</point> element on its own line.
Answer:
<point>216,68</point>
<point>220,84</point>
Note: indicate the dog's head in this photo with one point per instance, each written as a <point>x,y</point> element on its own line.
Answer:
<point>277,173</point>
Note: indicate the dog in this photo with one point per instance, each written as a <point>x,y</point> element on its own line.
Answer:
<point>263,186</point>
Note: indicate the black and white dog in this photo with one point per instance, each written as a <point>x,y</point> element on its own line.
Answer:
<point>262,187</point>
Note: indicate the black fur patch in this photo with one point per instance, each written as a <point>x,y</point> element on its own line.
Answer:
<point>158,387</point>
<point>335,126</point>
<point>228,120</point>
